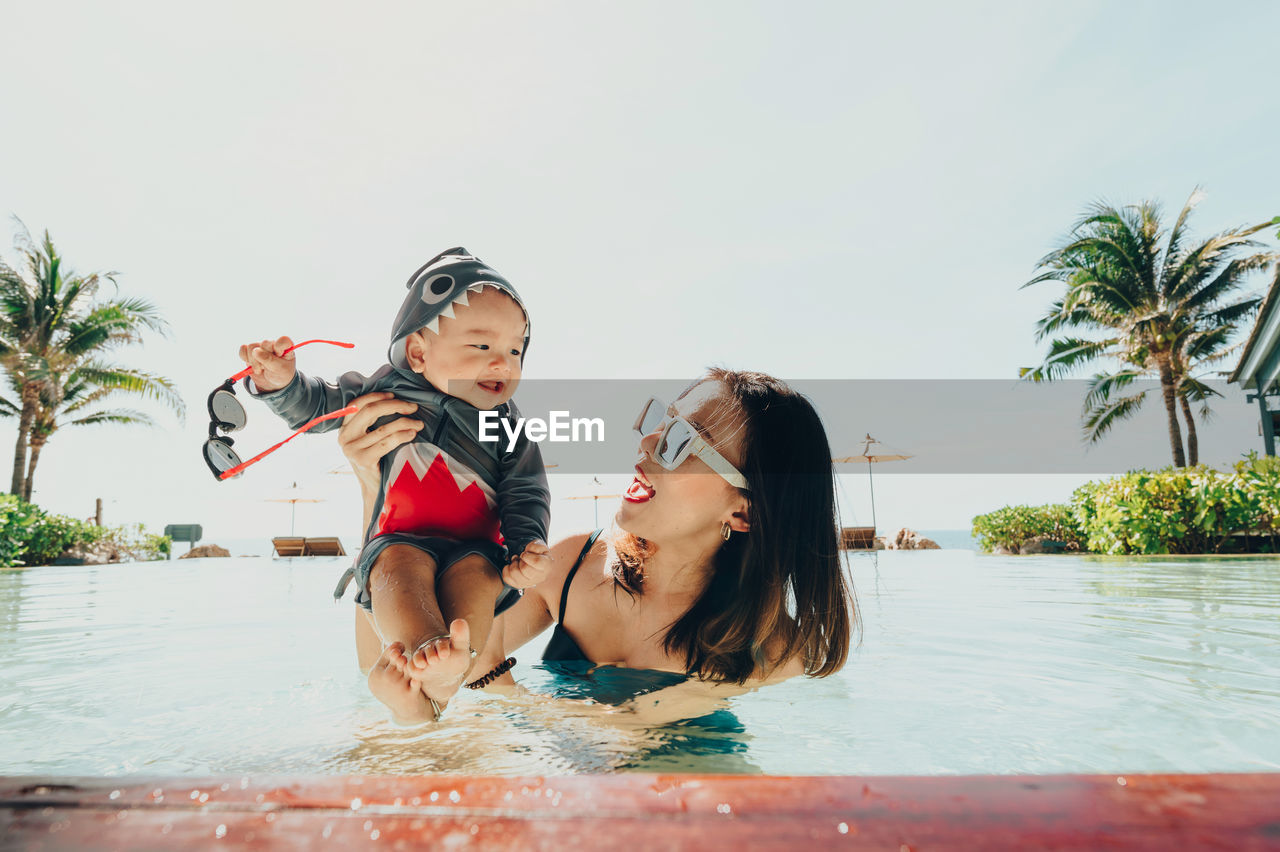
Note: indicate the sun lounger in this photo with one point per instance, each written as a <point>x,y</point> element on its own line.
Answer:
<point>858,538</point>
<point>324,546</point>
<point>289,545</point>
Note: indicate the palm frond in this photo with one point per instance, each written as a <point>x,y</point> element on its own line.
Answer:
<point>119,416</point>
<point>1173,248</point>
<point>1062,316</point>
<point>1196,390</point>
<point>1230,317</point>
<point>116,379</point>
<point>1227,281</point>
<point>1219,356</point>
<point>1065,354</point>
<point>1102,385</point>
<point>112,323</point>
<point>1099,421</point>
<point>1196,345</point>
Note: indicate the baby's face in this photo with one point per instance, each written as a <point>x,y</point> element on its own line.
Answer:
<point>476,354</point>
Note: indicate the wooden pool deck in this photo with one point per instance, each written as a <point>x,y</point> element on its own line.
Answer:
<point>643,811</point>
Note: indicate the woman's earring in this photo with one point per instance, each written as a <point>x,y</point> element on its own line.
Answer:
<point>724,530</point>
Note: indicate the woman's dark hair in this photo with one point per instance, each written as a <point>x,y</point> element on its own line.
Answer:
<point>782,583</point>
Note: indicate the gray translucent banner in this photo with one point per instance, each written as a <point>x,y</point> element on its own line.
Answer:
<point>946,426</point>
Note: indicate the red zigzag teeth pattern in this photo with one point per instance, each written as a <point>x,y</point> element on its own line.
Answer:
<point>442,497</point>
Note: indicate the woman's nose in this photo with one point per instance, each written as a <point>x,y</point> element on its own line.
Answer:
<point>649,442</point>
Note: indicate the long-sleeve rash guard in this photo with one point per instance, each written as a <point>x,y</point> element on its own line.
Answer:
<point>446,482</point>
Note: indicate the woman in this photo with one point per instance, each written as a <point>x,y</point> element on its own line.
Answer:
<point>725,570</point>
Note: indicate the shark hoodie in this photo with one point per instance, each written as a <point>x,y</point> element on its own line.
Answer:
<point>446,482</point>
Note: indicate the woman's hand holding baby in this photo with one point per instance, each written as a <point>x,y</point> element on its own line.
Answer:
<point>271,371</point>
<point>365,447</point>
<point>530,567</point>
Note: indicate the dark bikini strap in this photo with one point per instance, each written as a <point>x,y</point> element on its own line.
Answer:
<point>564,593</point>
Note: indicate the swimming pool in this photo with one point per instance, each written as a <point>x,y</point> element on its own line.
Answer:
<point>969,665</point>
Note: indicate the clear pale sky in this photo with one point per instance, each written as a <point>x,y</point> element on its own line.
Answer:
<point>819,191</point>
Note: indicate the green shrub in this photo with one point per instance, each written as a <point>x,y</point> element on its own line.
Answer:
<point>16,521</point>
<point>54,535</point>
<point>1174,510</point>
<point>1179,510</point>
<point>31,536</point>
<point>1011,526</point>
<point>134,543</point>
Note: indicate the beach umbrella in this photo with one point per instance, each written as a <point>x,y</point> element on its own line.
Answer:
<point>293,496</point>
<point>597,491</point>
<point>873,451</point>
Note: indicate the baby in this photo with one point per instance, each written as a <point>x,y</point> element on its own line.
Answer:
<point>460,523</point>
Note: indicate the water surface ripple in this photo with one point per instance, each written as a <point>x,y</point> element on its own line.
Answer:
<point>967,664</point>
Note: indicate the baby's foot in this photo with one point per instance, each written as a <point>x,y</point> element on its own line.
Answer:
<point>393,685</point>
<point>440,664</point>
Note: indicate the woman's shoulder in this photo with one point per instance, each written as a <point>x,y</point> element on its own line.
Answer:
<point>565,553</point>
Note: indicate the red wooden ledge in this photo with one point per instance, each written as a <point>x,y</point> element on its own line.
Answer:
<point>641,811</point>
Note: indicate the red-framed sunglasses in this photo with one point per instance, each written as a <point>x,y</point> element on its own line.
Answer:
<point>226,414</point>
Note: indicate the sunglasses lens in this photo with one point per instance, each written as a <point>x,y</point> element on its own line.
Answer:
<point>219,456</point>
<point>673,443</point>
<point>227,411</point>
<point>651,417</point>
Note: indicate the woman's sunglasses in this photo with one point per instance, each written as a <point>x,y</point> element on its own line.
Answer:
<point>226,414</point>
<point>679,440</point>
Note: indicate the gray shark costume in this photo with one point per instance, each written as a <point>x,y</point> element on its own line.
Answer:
<point>446,492</point>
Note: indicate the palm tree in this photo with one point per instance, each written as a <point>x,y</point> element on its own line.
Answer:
<point>50,318</point>
<point>71,394</point>
<point>1166,311</point>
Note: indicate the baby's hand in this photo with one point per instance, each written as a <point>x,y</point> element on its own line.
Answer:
<point>530,567</point>
<point>271,371</point>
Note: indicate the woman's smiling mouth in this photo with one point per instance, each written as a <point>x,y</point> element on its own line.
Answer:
<point>640,490</point>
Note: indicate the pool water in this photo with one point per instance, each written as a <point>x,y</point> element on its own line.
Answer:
<point>968,664</point>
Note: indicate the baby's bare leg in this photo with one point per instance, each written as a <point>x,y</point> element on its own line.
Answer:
<point>368,645</point>
<point>466,593</point>
<point>402,589</point>
<point>468,590</point>
<point>405,615</point>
